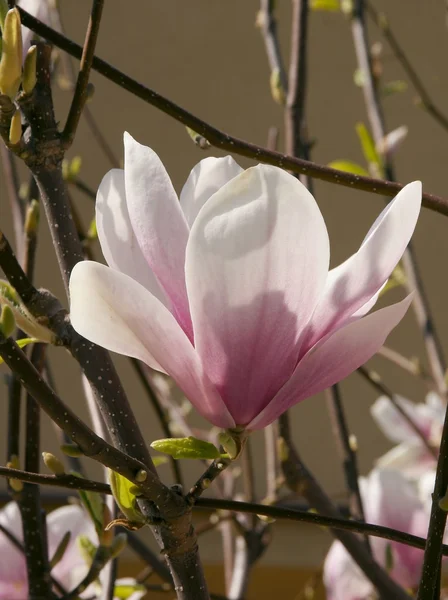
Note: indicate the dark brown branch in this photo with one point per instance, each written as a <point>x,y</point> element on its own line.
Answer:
<point>224,141</point>
<point>205,480</point>
<point>88,52</point>
<point>90,444</point>
<point>348,454</point>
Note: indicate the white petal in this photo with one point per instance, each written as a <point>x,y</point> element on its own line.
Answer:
<point>117,238</point>
<point>334,358</point>
<point>116,312</point>
<point>357,281</point>
<point>206,178</point>
<point>394,425</point>
<point>158,223</point>
<point>410,458</point>
<point>257,259</point>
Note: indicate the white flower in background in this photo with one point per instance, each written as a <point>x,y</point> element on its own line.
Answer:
<point>411,456</point>
<point>389,500</point>
<point>41,9</point>
<point>228,290</point>
<point>69,571</point>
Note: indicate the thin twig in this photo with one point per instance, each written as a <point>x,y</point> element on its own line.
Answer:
<point>214,470</point>
<point>407,364</point>
<point>347,452</point>
<point>267,24</point>
<point>380,20</point>
<point>222,140</point>
<point>88,52</point>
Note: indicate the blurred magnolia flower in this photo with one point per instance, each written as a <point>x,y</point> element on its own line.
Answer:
<point>389,500</point>
<point>390,143</point>
<point>228,290</point>
<point>411,456</point>
<point>41,9</point>
<point>69,571</point>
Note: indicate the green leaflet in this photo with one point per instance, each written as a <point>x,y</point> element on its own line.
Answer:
<point>189,447</point>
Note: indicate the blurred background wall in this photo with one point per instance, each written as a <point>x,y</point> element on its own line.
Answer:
<point>208,56</point>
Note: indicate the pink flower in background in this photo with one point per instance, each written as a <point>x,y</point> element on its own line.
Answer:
<point>228,290</point>
<point>69,571</point>
<point>41,9</point>
<point>389,500</point>
<point>410,456</point>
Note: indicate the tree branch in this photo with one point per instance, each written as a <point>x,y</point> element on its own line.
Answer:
<point>222,140</point>
<point>80,95</point>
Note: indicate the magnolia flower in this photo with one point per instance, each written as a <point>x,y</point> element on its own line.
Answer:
<point>69,571</point>
<point>228,290</point>
<point>389,500</point>
<point>411,456</point>
<point>41,9</point>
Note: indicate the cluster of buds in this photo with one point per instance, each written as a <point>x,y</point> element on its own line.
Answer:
<point>16,75</point>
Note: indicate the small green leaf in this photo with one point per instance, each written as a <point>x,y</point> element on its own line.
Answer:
<point>125,591</point>
<point>326,5</point>
<point>349,167</point>
<point>394,87</point>
<point>189,447</point>
<point>368,148</point>
<point>87,548</point>
<point>125,499</point>
<point>159,460</point>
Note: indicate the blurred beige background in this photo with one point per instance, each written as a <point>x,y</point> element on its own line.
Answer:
<point>207,56</point>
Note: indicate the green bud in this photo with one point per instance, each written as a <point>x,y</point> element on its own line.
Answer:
<point>233,441</point>
<point>15,129</point>
<point>443,502</point>
<point>198,139</point>
<point>87,548</point>
<point>141,476</point>
<point>15,484</point>
<point>277,90</point>
<point>29,71</point>
<point>119,544</point>
<point>7,321</point>
<point>71,450</point>
<point>11,59</point>
<point>32,218</point>
<point>53,463</point>
<point>24,319</point>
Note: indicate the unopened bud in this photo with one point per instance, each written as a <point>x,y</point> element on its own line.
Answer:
<point>141,476</point>
<point>7,321</point>
<point>90,92</point>
<point>53,463</point>
<point>119,544</point>
<point>11,60</point>
<point>15,484</point>
<point>390,143</point>
<point>353,442</point>
<point>71,450</point>
<point>29,71</point>
<point>277,89</point>
<point>15,129</point>
<point>32,218</point>
<point>3,13</point>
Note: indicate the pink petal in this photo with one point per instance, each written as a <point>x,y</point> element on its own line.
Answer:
<point>334,358</point>
<point>12,562</point>
<point>117,238</point>
<point>257,259</point>
<point>74,519</point>
<point>394,425</point>
<point>392,501</point>
<point>206,178</point>
<point>356,282</point>
<point>342,577</point>
<point>158,223</point>
<point>116,312</point>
